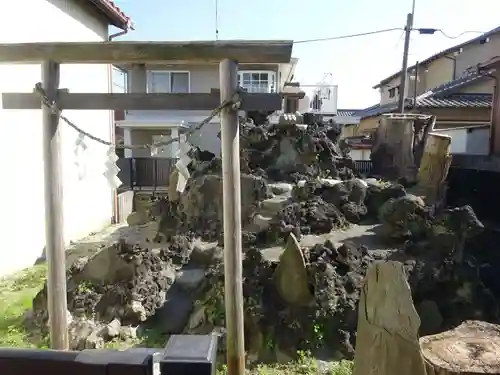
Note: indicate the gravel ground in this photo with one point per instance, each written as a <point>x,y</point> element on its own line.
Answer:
<point>356,234</point>
<point>362,234</point>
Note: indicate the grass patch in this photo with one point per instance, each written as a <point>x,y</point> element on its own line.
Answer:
<point>305,365</point>
<point>16,295</point>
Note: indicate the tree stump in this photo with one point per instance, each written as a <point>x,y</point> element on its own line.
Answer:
<point>392,151</point>
<point>434,166</point>
<point>471,348</point>
<point>387,337</point>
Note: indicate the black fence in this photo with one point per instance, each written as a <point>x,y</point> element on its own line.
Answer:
<point>145,172</point>
<point>363,166</point>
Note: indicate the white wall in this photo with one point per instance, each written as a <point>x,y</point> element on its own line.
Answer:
<point>87,198</point>
<point>458,139</point>
<point>471,140</point>
<point>360,154</point>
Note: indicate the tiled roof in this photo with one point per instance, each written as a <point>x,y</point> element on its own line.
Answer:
<point>456,101</point>
<point>113,13</point>
<point>445,52</point>
<point>448,101</point>
<point>349,112</point>
<point>442,96</point>
<point>378,109</point>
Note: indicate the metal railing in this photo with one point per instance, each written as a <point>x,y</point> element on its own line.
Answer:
<point>137,173</point>
<point>363,166</point>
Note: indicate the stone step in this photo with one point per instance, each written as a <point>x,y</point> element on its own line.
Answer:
<point>281,189</point>
<point>275,204</point>
<point>261,222</point>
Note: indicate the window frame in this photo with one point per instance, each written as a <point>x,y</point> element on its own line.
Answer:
<point>392,92</point>
<point>271,79</point>
<point>151,73</point>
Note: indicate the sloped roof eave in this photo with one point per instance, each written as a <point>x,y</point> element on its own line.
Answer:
<point>440,54</point>
<point>113,13</point>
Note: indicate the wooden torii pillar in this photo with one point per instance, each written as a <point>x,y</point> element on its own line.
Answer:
<point>225,53</point>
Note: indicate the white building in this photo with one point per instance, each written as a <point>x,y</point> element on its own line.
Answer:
<point>87,203</point>
<point>151,126</point>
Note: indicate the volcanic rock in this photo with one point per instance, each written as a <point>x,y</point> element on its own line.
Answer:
<point>121,285</point>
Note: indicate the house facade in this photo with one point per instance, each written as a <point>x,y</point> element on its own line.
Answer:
<point>87,198</point>
<point>141,127</point>
<point>446,84</point>
<point>349,120</point>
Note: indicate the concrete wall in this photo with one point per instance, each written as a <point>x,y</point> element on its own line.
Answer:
<point>467,140</point>
<point>87,199</point>
<point>478,141</point>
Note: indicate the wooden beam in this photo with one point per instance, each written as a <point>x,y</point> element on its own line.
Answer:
<point>140,101</point>
<point>262,51</point>
<point>233,253</point>
<point>54,228</point>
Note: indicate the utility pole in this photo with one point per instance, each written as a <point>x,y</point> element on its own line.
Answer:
<point>404,73</point>
<point>415,86</point>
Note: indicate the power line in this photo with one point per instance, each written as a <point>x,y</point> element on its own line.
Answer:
<point>432,31</point>
<point>423,31</point>
<point>459,35</point>
<point>348,36</point>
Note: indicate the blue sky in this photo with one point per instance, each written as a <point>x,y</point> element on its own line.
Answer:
<point>356,64</point>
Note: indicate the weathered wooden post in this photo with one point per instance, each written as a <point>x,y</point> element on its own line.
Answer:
<point>387,337</point>
<point>233,266</point>
<point>392,151</point>
<point>434,166</point>
<point>54,230</point>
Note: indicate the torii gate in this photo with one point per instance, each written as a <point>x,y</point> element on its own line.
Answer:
<point>227,54</point>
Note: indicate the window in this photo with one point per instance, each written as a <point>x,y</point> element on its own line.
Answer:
<point>168,82</point>
<point>257,81</point>
<point>392,92</point>
<point>119,80</point>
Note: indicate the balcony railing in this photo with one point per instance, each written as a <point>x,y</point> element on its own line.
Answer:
<point>262,88</point>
